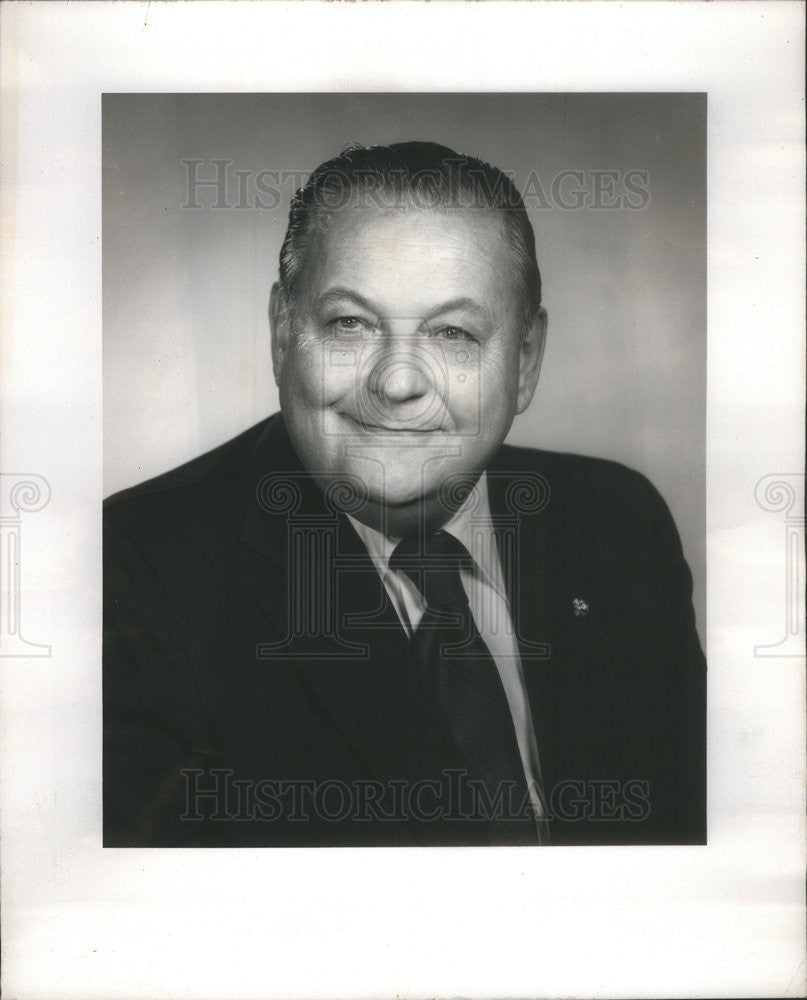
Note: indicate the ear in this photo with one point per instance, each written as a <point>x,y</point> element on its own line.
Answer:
<point>530,358</point>
<point>279,325</point>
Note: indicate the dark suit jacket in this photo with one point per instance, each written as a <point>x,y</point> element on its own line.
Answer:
<point>231,719</point>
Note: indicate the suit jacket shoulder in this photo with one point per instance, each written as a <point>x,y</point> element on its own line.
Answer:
<point>202,482</point>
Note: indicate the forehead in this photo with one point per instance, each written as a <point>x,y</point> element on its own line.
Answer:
<point>401,256</point>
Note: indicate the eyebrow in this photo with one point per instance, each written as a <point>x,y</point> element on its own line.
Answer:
<point>340,294</point>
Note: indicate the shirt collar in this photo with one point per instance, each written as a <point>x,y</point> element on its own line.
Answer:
<point>471,524</point>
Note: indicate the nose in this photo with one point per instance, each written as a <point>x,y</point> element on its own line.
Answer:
<point>399,373</point>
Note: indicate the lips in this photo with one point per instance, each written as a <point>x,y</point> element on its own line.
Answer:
<point>380,429</point>
<point>373,428</point>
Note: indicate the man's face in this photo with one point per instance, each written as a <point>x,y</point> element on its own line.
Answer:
<point>403,358</point>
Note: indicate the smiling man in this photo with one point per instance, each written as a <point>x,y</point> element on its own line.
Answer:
<point>368,622</point>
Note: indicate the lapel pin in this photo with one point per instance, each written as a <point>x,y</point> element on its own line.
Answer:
<point>580,607</point>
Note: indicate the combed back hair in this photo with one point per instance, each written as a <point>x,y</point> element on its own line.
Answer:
<point>408,175</point>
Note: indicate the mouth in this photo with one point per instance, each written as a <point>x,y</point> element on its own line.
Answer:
<point>370,427</point>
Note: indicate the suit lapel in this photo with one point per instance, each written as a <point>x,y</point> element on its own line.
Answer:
<point>523,545</point>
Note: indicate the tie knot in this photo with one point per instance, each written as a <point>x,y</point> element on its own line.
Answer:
<point>433,564</point>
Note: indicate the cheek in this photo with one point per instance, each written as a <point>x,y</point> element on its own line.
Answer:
<point>498,379</point>
<point>317,375</point>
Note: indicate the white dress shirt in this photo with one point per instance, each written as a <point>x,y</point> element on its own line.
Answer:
<point>487,598</point>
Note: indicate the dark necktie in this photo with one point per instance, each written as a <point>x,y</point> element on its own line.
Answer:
<point>464,680</point>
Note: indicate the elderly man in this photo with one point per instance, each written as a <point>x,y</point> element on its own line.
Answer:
<point>366,621</point>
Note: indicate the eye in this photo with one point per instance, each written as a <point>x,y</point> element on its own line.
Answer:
<point>347,326</point>
<point>451,333</point>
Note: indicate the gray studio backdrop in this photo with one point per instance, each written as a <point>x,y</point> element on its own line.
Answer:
<point>195,201</point>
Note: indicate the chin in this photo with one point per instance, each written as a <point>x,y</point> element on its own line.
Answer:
<point>392,498</point>
<point>397,519</point>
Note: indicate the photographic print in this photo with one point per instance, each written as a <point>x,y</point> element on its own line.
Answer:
<point>365,620</point>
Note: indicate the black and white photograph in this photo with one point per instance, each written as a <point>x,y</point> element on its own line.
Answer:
<point>365,619</point>
<point>402,539</point>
